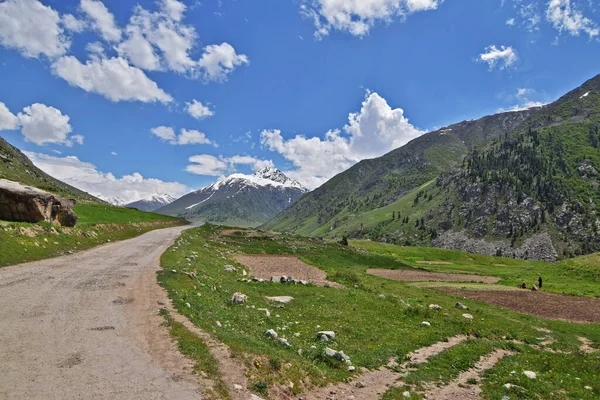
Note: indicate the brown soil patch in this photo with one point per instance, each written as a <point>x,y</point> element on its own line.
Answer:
<point>267,266</point>
<point>460,389</point>
<point>415,276</point>
<point>586,346</point>
<point>434,262</point>
<point>539,304</point>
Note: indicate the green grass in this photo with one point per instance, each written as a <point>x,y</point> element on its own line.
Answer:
<point>23,242</point>
<point>369,329</point>
<point>578,276</point>
<point>196,350</point>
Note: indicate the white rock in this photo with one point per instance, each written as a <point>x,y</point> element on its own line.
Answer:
<point>271,333</point>
<point>351,368</point>
<point>281,299</point>
<point>406,394</point>
<point>284,342</point>
<point>267,312</point>
<point>382,296</point>
<point>467,316</point>
<point>238,298</point>
<point>530,374</point>
<point>229,268</point>
<point>508,385</point>
<point>255,397</point>
<point>425,323</point>
<point>434,307</point>
<point>244,273</point>
<point>588,388</point>
<point>237,387</point>
<point>327,334</point>
<point>218,324</point>
<point>188,305</point>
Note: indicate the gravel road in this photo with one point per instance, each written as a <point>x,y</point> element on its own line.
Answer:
<point>86,326</point>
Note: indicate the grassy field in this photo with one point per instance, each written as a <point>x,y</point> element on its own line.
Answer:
<point>578,276</point>
<point>22,242</point>
<point>374,319</point>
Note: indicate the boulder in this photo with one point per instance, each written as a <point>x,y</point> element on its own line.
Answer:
<point>281,299</point>
<point>271,333</point>
<point>327,334</point>
<point>238,298</point>
<point>21,203</point>
<point>461,306</point>
<point>435,307</point>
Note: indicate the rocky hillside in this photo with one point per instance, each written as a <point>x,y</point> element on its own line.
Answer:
<point>152,203</point>
<point>15,166</point>
<point>240,200</point>
<point>521,184</point>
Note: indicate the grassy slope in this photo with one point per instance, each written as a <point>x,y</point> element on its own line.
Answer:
<point>368,328</point>
<point>98,223</point>
<point>15,166</point>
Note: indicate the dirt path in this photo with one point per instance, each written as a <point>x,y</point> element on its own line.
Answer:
<point>460,388</point>
<point>540,304</point>
<point>87,326</point>
<point>415,276</point>
<point>372,384</point>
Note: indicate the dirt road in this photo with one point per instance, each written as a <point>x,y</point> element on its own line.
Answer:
<point>86,326</point>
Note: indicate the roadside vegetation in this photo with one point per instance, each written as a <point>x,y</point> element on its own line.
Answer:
<point>98,223</point>
<point>375,320</point>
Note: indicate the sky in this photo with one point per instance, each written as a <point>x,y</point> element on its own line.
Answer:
<point>130,98</point>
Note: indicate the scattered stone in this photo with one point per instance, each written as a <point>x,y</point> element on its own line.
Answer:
<point>244,273</point>
<point>339,355</point>
<point>267,312</point>
<point>425,323</point>
<point>188,305</point>
<point>218,324</point>
<point>327,334</point>
<point>281,299</point>
<point>406,394</point>
<point>505,398</point>
<point>239,298</point>
<point>271,333</point>
<point>351,368</point>
<point>435,307</point>
<point>530,374</point>
<point>360,385</point>
<point>508,385</point>
<point>467,316</point>
<point>284,342</point>
<point>382,296</point>
<point>229,268</point>
<point>461,306</point>
<point>324,338</point>
<point>305,283</point>
<point>523,285</point>
<point>238,387</point>
<point>276,279</point>
<point>588,388</point>
<point>255,397</point>
<point>534,288</point>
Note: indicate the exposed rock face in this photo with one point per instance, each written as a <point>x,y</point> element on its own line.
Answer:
<point>22,203</point>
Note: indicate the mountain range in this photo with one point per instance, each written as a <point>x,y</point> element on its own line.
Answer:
<point>522,184</point>
<point>239,200</point>
<point>152,203</point>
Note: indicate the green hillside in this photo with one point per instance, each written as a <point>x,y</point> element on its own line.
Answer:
<point>523,184</point>
<point>15,166</point>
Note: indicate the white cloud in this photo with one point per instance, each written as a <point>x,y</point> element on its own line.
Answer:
<point>357,17</point>
<point>220,60</point>
<point>565,18</point>
<point>192,137</point>
<point>523,92</point>
<point>173,8</point>
<point>32,28</point>
<point>73,24</point>
<point>42,124</point>
<point>96,50</point>
<point>139,51</point>
<point>113,153</point>
<point>522,97</point>
<point>113,78</point>
<point>502,57</point>
<point>198,110</point>
<point>8,121</point>
<point>206,164</point>
<point>186,136</point>
<point>102,20</point>
<point>372,132</point>
<point>510,22</point>
<point>87,177</point>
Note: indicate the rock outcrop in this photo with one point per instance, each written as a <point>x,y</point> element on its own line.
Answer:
<point>23,203</point>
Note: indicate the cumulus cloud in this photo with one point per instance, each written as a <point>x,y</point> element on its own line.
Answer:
<point>112,78</point>
<point>32,28</point>
<point>101,19</point>
<point>566,18</point>
<point>206,164</point>
<point>73,24</point>
<point>373,131</point>
<point>198,110</point>
<point>502,57</point>
<point>87,177</point>
<point>220,60</point>
<point>159,41</point>
<point>40,124</point>
<point>185,136</point>
<point>8,121</point>
<point>357,17</point>
<point>523,100</point>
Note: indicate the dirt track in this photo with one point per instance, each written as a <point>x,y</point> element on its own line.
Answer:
<point>86,326</point>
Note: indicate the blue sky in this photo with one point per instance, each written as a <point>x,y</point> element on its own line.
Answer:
<point>98,93</point>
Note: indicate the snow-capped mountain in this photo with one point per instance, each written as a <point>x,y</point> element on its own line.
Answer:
<point>115,201</point>
<point>152,203</point>
<point>240,200</point>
